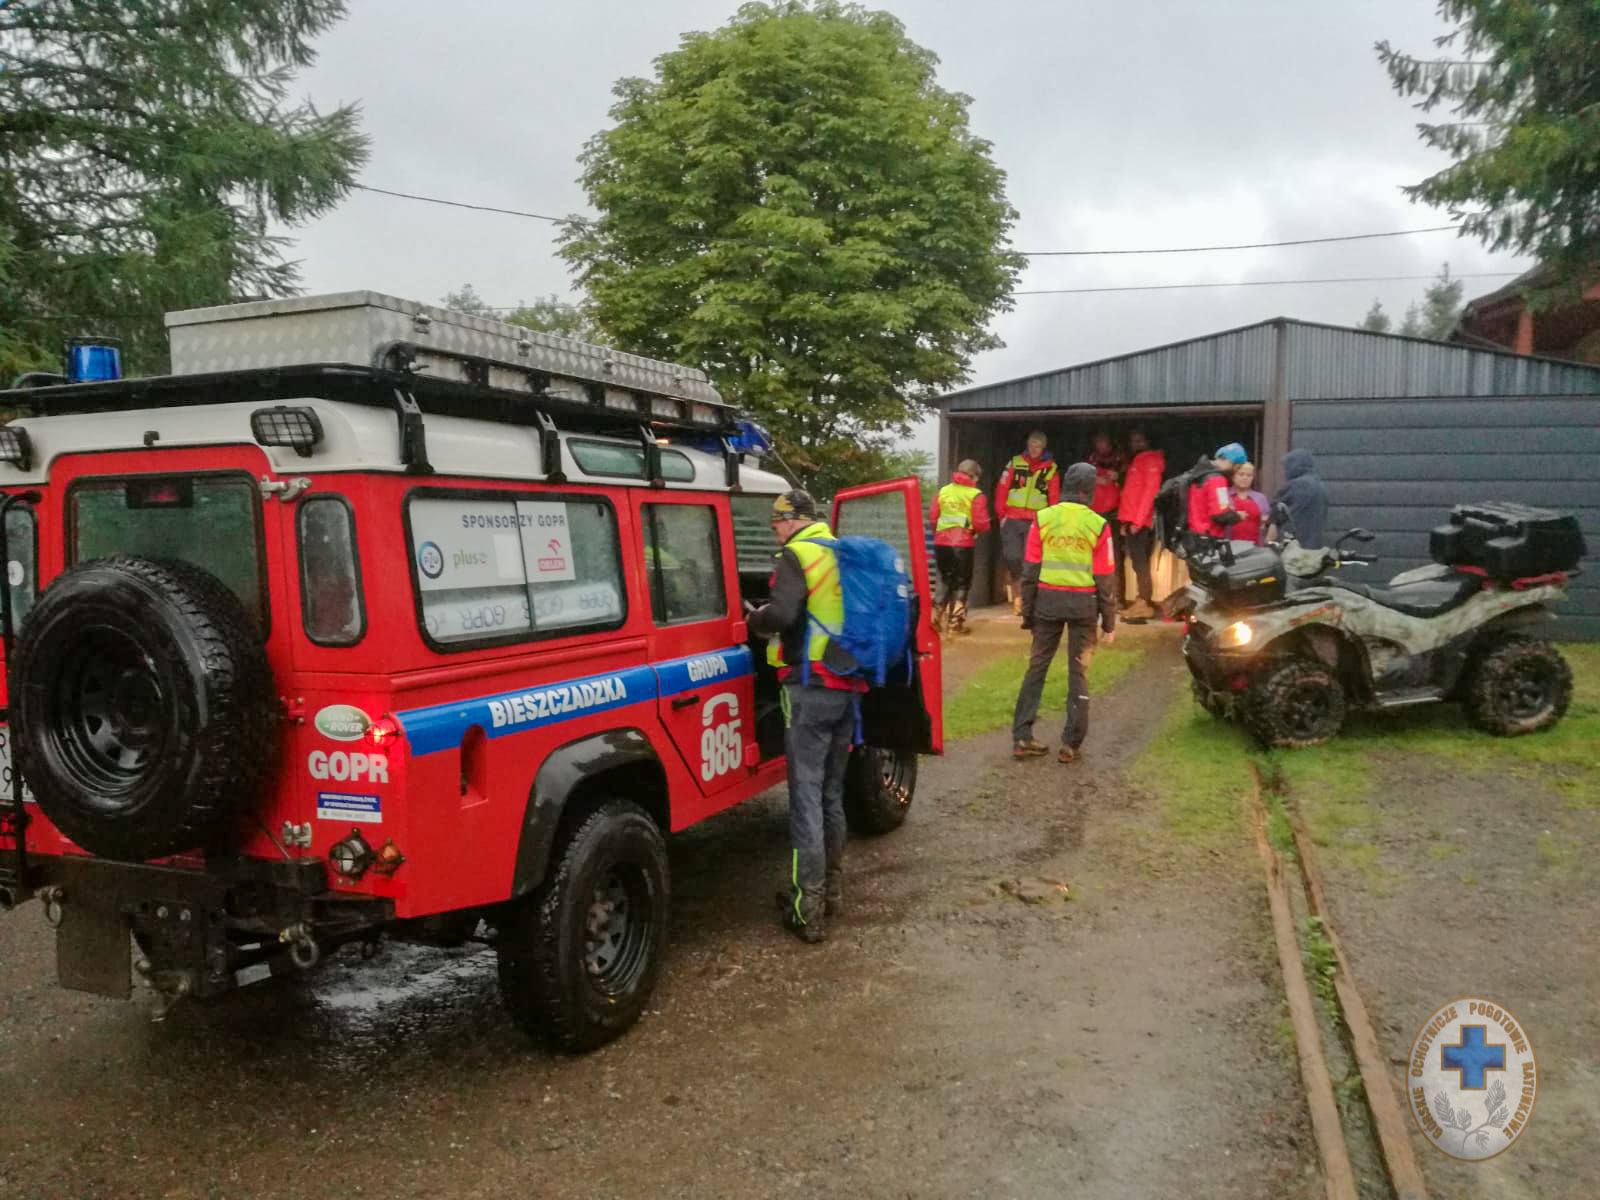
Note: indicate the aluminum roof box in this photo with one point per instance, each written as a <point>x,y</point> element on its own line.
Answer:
<point>360,328</point>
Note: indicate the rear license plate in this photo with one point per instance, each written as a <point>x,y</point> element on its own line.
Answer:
<point>6,769</point>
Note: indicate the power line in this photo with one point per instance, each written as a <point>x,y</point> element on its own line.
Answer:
<point>1169,287</point>
<point>1316,241</point>
<point>510,212</point>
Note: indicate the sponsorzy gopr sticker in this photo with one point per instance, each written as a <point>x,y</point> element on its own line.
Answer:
<point>1471,1080</point>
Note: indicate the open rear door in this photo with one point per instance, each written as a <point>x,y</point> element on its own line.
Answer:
<point>908,713</point>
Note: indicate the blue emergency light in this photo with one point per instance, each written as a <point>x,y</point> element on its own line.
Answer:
<point>751,438</point>
<point>93,360</point>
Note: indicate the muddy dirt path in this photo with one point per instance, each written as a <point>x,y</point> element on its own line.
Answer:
<point>963,1032</point>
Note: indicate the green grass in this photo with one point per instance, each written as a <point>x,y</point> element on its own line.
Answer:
<point>987,699</point>
<point>1199,768</point>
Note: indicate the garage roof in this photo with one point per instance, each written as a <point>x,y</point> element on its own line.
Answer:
<point>1314,362</point>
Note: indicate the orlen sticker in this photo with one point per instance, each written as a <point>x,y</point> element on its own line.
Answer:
<point>350,806</point>
<point>342,723</point>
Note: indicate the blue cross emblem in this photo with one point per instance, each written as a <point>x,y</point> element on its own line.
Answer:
<point>1473,1057</point>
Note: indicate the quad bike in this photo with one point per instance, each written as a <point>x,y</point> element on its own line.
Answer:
<point>1278,640</point>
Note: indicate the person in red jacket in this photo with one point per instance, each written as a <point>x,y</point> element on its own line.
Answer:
<point>1029,483</point>
<point>959,513</point>
<point>1211,511</point>
<point>1136,516</point>
<point>1108,463</point>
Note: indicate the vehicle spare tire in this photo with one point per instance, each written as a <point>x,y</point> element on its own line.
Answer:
<point>143,707</point>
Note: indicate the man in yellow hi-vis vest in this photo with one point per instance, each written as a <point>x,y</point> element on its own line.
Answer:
<point>1067,585</point>
<point>958,515</point>
<point>819,701</point>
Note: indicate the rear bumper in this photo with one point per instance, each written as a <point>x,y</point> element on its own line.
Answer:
<point>204,932</point>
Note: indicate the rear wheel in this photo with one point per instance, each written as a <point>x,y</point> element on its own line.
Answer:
<point>1296,702</point>
<point>878,786</point>
<point>1518,685</point>
<point>580,957</point>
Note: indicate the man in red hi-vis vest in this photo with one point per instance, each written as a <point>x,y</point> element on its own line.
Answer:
<point>1029,484</point>
<point>1067,588</point>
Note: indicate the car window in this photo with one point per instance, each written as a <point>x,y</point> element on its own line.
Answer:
<point>683,557</point>
<point>208,520</point>
<point>503,567</point>
<point>333,610</point>
<point>753,540</point>
<point>22,564</point>
<point>626,460</point>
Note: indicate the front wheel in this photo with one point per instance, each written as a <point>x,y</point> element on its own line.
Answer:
<point>1520,685</point>
<point>1296,702</point>
<point>878,786</point>
<point>580,957</point>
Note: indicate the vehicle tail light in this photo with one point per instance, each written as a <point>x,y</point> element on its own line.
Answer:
<point>385,732</point>
<point>351,856</point>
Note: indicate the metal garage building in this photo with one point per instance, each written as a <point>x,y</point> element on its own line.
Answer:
<point>1402,428</point>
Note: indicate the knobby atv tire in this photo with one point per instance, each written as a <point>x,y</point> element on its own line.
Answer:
<point>573,971</point>
<point>878,787</point>
<point>144,707</point>
<point>1296,702</point>
<point>1519,684</point>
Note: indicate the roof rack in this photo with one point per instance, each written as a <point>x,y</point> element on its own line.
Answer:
<point>412,396</point>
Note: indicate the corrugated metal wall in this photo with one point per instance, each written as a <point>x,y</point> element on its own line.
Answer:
<point>1326,362</point>
<point>1396,466</point>
<point>1227,368</point>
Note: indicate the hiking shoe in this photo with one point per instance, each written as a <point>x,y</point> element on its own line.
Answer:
<point>1028,748</point>
<point>810,932</point>
<point>1067,755</point>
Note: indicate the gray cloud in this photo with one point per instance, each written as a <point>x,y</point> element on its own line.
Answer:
<point>1137,124</point>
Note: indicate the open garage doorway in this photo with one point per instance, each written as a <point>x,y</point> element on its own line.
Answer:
<point>1182,433</point>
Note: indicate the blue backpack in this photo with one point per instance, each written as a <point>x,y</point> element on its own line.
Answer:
<point>877,606</point>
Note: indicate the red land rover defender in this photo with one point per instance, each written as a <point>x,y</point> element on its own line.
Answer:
<point>378,620</point>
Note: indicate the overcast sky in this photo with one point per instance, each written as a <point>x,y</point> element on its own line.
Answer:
<point>1144,123</point>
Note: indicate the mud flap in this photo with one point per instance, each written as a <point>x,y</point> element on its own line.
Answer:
<point>92,952</point>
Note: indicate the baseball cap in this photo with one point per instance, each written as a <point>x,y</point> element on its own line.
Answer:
<point>1234,453</point>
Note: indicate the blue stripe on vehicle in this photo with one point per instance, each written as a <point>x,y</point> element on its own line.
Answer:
<point>442,726</point>
<point>685,674</point>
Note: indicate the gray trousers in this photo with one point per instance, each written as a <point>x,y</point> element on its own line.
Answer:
<point>822,722</point>
<point>1080,650</point>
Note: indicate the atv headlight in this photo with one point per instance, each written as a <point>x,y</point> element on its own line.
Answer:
<point>1237,634</point>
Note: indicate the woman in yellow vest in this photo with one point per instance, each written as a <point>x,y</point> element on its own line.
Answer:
<point>958,514</point>
<point>819,702</point>
<point>1067,585</point>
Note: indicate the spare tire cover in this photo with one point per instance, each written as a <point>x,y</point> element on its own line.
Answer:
<point>143,707</point>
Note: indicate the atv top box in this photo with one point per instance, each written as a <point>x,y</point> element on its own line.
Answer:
<point>1508,541</point>
<point>1252,579</point>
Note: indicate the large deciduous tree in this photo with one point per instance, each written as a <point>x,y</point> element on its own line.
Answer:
<point>1522,82</point>
<point>146,147</point>
<point>794,204</point>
